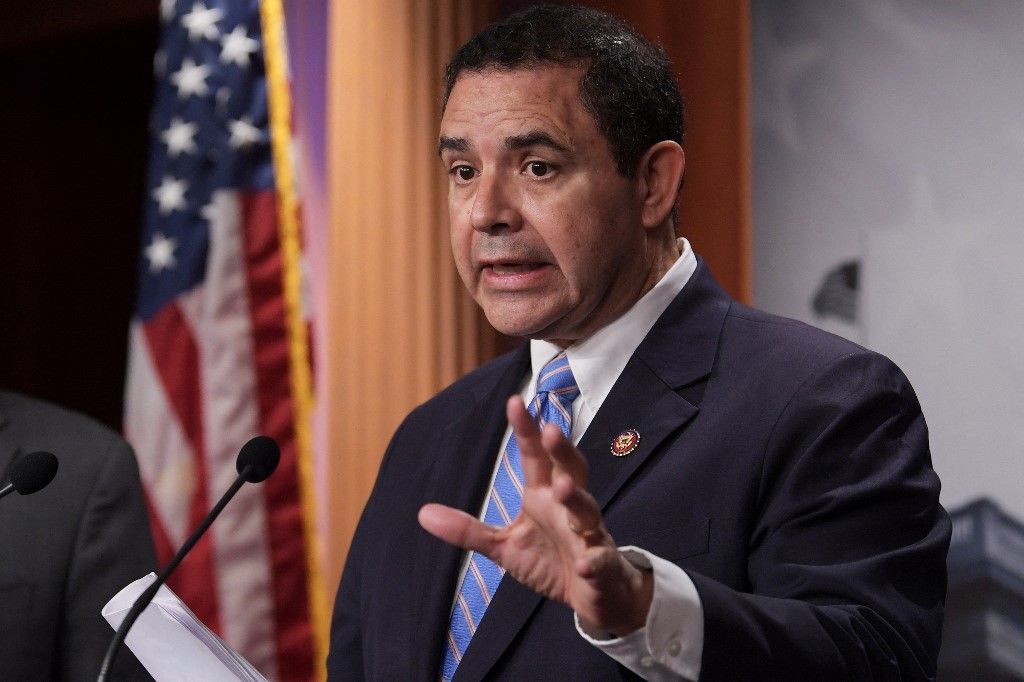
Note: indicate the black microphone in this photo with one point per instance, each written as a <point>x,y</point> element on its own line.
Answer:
<point>256,461</point>
<point>31,473</point>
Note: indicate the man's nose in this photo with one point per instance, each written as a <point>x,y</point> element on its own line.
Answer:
<point>494,206</point>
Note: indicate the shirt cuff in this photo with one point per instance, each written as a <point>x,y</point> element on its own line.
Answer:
<point>671,643</point>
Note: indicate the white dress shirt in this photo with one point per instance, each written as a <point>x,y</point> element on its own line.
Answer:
<point>670,645</point>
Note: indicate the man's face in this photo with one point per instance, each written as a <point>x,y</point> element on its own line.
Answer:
<point>546,234</point>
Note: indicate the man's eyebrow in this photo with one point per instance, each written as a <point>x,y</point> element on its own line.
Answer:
<point>534,139</point>
<point>454,144</point>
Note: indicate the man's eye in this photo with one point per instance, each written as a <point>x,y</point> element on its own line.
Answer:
<point>538,168</point>
<point>464,173</point>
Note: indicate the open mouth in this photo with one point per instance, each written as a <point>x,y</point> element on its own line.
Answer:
<point>513,268</point>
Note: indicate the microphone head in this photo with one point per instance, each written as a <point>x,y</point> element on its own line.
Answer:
<point>33,472</point>
<point>260,456</point>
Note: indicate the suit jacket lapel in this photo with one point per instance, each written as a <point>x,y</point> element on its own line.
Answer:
<point>467,453</point>
<point>659,389</point>
<point>678,353</point>
<point>639,401</point>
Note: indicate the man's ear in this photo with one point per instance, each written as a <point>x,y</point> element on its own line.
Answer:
<point>659,175</point>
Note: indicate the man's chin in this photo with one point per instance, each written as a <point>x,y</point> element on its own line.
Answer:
<point>518,325</point>
<point>541,317</point>
<point>549,334</point>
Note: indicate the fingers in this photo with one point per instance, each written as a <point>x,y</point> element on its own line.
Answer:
<point>541,450</point>
<point>597,564</point>
<point>550,459</point>
<point>583,516</point>
<point>457,528</point>
<point>569,481</point>
<point>535,461</point>
<point>622,594</point>
<point>564,454</point>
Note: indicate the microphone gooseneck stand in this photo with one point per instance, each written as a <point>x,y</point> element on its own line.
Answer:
<point>256,461</point>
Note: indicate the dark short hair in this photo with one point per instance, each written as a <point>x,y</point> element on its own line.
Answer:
<point>628,84</point>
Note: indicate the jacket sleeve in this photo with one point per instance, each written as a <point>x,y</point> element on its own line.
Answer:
<point>847,556</point>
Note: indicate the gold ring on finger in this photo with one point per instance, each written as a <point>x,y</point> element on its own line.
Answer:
<point>585,533</point>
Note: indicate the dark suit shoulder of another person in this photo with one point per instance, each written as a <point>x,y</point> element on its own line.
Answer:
<point>69,548</point>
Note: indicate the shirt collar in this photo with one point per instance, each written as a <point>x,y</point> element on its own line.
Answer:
<point>598,360</point>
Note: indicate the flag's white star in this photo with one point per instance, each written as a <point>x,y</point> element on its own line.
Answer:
<point>167,9</point>
<point>160,253</point>
<point>191,79</point>
<point>202,22</point>
<point>221,210</point>
<point>209,212</point>
<point>237,47</point>
<point>179,137</point>
<point>170,194</point>
<point>244,133</point>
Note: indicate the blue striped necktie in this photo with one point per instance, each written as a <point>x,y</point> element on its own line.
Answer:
<point>556,389</point>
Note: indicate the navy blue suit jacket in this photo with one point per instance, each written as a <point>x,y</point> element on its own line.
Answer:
<point>785,469</point>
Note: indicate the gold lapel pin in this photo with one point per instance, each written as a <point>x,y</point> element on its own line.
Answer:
<point>625,442</point>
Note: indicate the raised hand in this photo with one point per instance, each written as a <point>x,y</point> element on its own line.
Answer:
<point>558,545</point>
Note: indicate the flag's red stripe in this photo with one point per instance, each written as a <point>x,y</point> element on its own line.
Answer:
<point>277,417</point>
<point>176,359</point>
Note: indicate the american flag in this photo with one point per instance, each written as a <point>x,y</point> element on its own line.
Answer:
<point>209,362</point>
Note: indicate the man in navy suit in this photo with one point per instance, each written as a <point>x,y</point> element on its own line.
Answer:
<point>718,493</point>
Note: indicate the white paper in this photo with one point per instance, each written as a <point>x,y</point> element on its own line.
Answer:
<point>172,644</point>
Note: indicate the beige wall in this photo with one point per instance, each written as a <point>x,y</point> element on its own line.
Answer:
<point>401,325</point>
